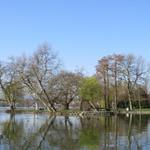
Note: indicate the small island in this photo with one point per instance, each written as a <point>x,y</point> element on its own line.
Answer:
<point>38,83</point>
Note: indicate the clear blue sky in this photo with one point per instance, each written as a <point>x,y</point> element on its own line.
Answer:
<point>81,31</point>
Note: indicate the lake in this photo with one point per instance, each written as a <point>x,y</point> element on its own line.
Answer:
<point>43,132</point>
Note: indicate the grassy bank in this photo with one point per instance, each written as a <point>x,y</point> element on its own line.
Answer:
<point>64,112</point>
<point>135,111</point>
<point>81,113</point>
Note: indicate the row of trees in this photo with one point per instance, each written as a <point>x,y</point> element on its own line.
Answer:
<point>124,77</point>
<point>41,77</point>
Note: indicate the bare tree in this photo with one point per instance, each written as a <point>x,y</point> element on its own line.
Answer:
<point>133,73</point>
<point>10,84</point>
<point>103,74</point>
<point>67,87</point>
<point>37,71</point>
<point>116,67</point>
<point>121,70</point>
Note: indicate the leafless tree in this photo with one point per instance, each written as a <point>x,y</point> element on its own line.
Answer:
<point>133,73</point>
<point>116,67</point>
<point>121,70</point>
<point>37,71</point>
<point>103,74</point>
<point>67,86</point>
<point>10,84</point>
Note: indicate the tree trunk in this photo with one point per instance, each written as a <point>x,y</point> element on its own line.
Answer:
<point>139,104</point>
<point>53,108</point>
<point>12,106</point>
<point>130,101</point>
<point>49,108</point>
<point>66,106</point>
<point>49,105</point>
<point>108,103</point>
<point>129,95</point>
<point>81,105</point>
<point>116,90</point>
<point>92,105</point>
<point>139,99</point>
<point>105,93</point>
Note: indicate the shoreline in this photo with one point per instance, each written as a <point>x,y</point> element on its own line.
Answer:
<point>81,113</point>
<point>142,112</point>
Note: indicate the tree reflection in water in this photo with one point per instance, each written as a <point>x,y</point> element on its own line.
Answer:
<point>74,133</point>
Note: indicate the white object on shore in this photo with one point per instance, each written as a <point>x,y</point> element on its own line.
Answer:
<point>36,106</point>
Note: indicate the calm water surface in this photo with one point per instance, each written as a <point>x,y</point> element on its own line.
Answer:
<point>33,132</point>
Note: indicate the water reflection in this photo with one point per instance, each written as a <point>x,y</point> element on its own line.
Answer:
<point>41,132</point>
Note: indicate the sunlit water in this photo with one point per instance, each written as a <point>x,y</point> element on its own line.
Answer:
<point>40,131</point>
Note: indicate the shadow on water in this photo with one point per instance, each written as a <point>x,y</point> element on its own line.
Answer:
<point>40,132</point>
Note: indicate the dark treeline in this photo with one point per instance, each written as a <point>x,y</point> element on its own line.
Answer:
<point>119,81</point>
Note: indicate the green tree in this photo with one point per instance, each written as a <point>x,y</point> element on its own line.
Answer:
<point>13,93</point>
<point>90,91</point>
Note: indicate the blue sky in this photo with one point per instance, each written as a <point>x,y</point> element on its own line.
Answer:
<point>81,31</point>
